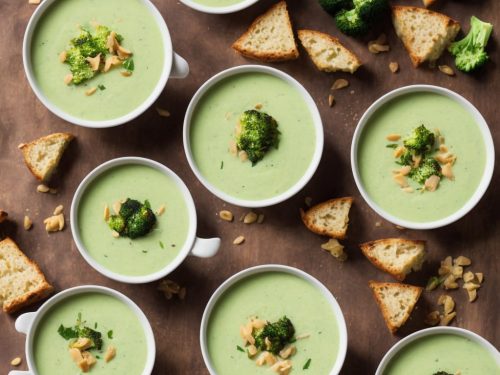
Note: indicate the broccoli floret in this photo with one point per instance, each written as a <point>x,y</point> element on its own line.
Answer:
<point>259,132</point>
<point>128,208</point>
<point>371,10</point>
<point>278,334</point>
<point>406,158</point>
<point>78,66</point>
<point>420,140</point>
<point>427,168</point>
<point>117,223</point>
<point>334,6</point>
<point>469,52</point>
<point>141,222</point>
<point>350,22</point>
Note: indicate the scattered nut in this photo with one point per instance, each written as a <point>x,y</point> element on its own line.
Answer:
<point>393,137</point>
<point>68,78</point>
<point>111,61</point>
<point>161,210</point>
<point>16,361</point>
<point>21,145</point>
<point>260,219</point>
<point>450,282</point>
<point>52,191</point>
<point>162,112</point>
<point>250,218</point>
<point>457,271</point>
<point>462,261</point>
<point>446,319</point>
<point>468,276</point>
<point>334,247</point>
<point>116,207</point>
<point>42,188</point>
<point>94,62</point>
<point>239,240</point>
<point>110,353</point>
<point>76,355</point>
<point>472,295</point>
<point>62,56</point>
<point>480,277</point>
<point>81,344</point>
<point>471,286</point>
<point>331,100</point>
<point>251,350</point>
<point>446,70</point>
<point>243,155</point>
<point>258,106</point>
<point>115,234</point>
<point>233,149</point>
<point>393,67</point>
<point>171,288</point>
<point>106,213</point>
<point>27,222</point>
<point>226,215</point>
<point>378,224</point>
<point>288,351</point>
<point>126,73</point>
<point>447,302</point>
<point>340,84</point>
<point>91,91</point>
<point>58,209</point>
<point>433,318</point>
<point>54,223</point>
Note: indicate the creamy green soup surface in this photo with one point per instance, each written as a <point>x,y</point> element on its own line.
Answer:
<point>62,21</point>
<point>110,314</point>
<point>143,255</point>
<point>212,129</point>
<point>443,352</point>
<point>270,296</point>
<point>462,137</point>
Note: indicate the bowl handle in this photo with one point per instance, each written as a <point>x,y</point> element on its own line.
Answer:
<point>23,323</point>
<point>205,247</point>
<point>180,67</point>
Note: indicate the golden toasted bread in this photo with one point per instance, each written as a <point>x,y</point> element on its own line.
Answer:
<point>330,218</point>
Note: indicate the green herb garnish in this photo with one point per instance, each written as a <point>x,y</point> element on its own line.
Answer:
<point>307,364</point>
<point>129,64</point>
<point>110,334</point>
<point>222,164</point>
<point>392,145</point>
<point>162,245</point>
<point>240,348</point>
<point>80,330</point>
<point>101,87</point>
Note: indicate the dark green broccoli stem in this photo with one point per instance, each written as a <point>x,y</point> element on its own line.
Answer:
<point>278,335</point>
<point>350,22</point>
<point>259,133</point>
<point>371,10</point>
<point>334,6</point>
<point>427,168</point>
<point>470,51</point>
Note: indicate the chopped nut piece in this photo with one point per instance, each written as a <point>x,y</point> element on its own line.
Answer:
<point>94,62</point>
<point>162,112</point>
<point>84,365</point>
<point>115,234</point>
<point>303,336</point>
<point>457,271</point>
<point>27,222</point>
<point>62,56</point>
<point>117,206</point>
<point>393,137</point>
<point>161,210</point>
<point>334,247</point>
<point>331,100</point>
<point>468,276</point>
<point>233,149</point>
<point>111,61</point>
<point>447,302</point>
<point>16,361</point>
<point>258,323</point>
<point>472,295</point>
<point>226,215</point>
<point>34,2</point>
<point>250,218</point>
<point>432,183</point>
<point>110,353</point>
<point>450,282</point>
<point>243,155</point>
<point>58,209</point>
<point>443,148</point>
<point>282,367</point>
<point>376,48</point>
<point>441,140</point>
<point>81,344</point>
<point>126,73</point>
<point>89,358</point>
<point>260,219</point>
<point>480,277</point>
<point>446,70</point>
<point>91,91</point>
<point>239,240</point>
<point>340,84</point>
<point>258,106</point>
<point>446,319</point>
<point>54,223</point>
<point>432,319</point>
<point>408,189</point>
<point>447,261</point>
<point>68,78</point>
<point>471,286</point>
<point>76,355</point>
<point>393,67</point>
<point>416,160</point>
<point>378,224</point>
<point>123,53</point>
<point>398,151</point>
<point>400,180</point>
<point>21,145</point>
<point>106,213</point>
<point>462,261</point>
<point>288,351</point>
<point>42,188</point>
<point>405,171</point>
<point>251,350</point>
<point>447,171</point>
<point>111,42</point>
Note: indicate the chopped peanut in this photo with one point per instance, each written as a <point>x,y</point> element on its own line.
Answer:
<point>94,62</point>
<point>250,218</point>
<point>16,361</point>
<point>81,344</point>
<point>462,261</point>
<point>27,223</point>
<point>400,180</point>
<point>239,240</point>
<point>110,353</point>
<point>447,171</point>
<point>446,319</point>
<point>68,78</point>
<point>393,137</point>
<point>432,183</point>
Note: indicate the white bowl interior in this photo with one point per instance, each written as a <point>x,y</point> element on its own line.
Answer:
<point>28,68</point>
<point>318,126</point>
<point>488,143</point>
<point>400,345</point>
<point>148,332</point>
<point>274,268</point>
<point>188,244</point>
<point>219,9</point>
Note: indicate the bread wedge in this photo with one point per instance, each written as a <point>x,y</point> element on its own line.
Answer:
<point>424,33</point>
<point>270,37</point>
<point>395,256</point>
<point>21,281</point>
<point>330,218</point>
<point>43,154</point>
<point>327,53</point>
<point>396,302</point>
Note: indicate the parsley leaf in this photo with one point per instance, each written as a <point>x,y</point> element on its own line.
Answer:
<point>129,64</point>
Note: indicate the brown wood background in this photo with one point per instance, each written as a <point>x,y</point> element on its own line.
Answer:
<point>204,40</point>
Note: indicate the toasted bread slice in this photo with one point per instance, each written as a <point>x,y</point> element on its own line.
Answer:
<point>43,155</point>
<point>396,302</point>
<point>428,3</point>
<point>21,281</point>
<point>270,37</point>
<point>329,218</point>
<point>396,256</point>
<point>424,33</point>
<point>327,53</point>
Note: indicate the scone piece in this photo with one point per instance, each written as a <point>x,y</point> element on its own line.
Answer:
<point>327,53</point>
<point>329,218</point>
<point>396,302</point>
<point>396,256</point>
<point>21,281</point>
<point>43,154</point>
<point>424,33</point>
<point>270,37</point>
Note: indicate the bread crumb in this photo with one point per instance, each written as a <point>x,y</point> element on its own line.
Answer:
<point>239,240</point>
<point>340,84</point>
<point>42,188</point>
<point>91,91</point>
<point>58,209</point>
<point>16,361</point>
<point>393,66</point>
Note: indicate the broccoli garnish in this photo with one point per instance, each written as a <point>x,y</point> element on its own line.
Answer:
<point>278,335</point>
<point>350,22</point>
<point>371,10</point>
<point>80,330</point>
<point>427,168</point>
<point>469,52</point>
<point>135,219</point>
<point>259,132</point>
<point>334,6</point>
<point>78,66</point>
<point>420,140</point>
<point>93,335</point>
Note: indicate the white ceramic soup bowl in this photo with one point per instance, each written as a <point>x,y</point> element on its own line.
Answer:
<point>482,127</point>
<point>400,345</point>
<point>27,323</point>
<point>174,66</point>
<point>318,128</point>
<point>249,272</point>
<point>193,245</point>
<point>219,9</point>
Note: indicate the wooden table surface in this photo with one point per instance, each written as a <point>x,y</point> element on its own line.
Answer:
<point>204,40</point>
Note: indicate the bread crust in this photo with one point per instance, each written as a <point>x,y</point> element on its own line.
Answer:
<point>307,218</point>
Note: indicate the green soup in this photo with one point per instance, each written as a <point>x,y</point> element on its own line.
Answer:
<point>110,314</point>
<point>443,352</point>
<point>144,255</point>
<point>212,129</point>
<point>462,137</point>
<point>269,296</point>
<point>130,18</point>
